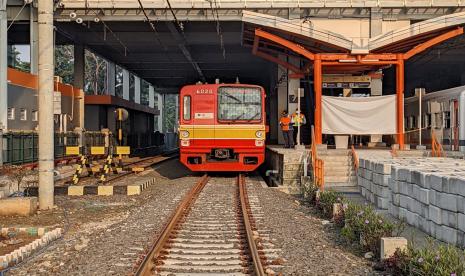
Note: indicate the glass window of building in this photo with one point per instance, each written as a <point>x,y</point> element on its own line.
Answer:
<point>23,114</point>
<point>132,87</point>
<point>11,113</point>
<point>119,81</point>
<point>144,92</point>
<point>19,57</point>
<point>35,115</point>
<point>96,69</point>
<point>64,62</point>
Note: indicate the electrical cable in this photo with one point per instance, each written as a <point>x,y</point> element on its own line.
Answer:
<point>218,25</point>
<point>16,16</point>
<point>152,25</point>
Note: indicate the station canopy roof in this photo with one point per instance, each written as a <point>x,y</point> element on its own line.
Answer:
<point>409,40</point>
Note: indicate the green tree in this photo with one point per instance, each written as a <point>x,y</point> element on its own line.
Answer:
<point>64,62</point>
<point>169,110</point>
<point>95,74</point>
<point>14,60</point>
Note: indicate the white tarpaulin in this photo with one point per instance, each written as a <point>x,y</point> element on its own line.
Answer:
<point>361,115</point>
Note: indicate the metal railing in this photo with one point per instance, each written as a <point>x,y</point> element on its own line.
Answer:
<point>318,165</point>
<point>355,158</point>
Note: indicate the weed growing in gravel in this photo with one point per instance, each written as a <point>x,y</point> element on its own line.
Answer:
<point>431,260</point>
<point>327,200</point>
<point>363,225</point>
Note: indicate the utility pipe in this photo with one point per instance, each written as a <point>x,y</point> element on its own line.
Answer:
<point>270,172</point>
<point>45,100</point>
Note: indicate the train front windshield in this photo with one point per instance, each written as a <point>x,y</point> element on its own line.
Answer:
<point>239,104</point>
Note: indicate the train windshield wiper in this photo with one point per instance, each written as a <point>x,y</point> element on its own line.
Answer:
<point>254,116</point>
<point>232,97</point>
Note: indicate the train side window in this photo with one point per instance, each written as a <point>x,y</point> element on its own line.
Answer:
<point>426,121</point>
<point>187,108</point>
<point>446,119</point>
<point>438,120</point>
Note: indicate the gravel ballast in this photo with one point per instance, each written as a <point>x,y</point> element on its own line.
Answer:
<point>110,242</point>
<point>307,246</point>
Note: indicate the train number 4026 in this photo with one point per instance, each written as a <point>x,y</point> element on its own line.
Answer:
<point>204,91</point>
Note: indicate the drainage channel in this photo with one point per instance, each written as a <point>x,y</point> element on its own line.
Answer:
<point>210,233</point>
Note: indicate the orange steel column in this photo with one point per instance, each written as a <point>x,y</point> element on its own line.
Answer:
<point>400,100</point>
<point>317,83</point>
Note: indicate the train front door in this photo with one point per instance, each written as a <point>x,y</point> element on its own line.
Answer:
<point>203,117</point>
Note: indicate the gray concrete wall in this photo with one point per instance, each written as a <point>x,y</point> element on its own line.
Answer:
<point>22,97</point>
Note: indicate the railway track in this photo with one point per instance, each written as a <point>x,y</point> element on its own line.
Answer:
<point>142,163</point>
<point>210,233</point>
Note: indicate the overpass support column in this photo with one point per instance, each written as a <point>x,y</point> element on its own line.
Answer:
<point>33,37</point>
<point>45,98</point>
<point>400,100</point>
<point>160,104</point>
<point>3,67</point>
<point>79,67</point>
<point>317,82</point>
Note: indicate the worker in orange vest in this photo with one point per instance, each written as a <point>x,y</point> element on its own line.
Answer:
<point>288,131</point>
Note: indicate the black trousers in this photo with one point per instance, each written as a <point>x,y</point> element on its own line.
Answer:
<point>288,138</point>
<point>295,134</point>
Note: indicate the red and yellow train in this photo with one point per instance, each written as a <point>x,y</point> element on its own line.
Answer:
<point>222,127</point>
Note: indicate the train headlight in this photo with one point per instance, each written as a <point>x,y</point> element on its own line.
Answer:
<point>259,134</point>
<point>185,143</point>
<point>184,134</point>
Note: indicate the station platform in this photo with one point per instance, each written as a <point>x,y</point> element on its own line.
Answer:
<point>285,167</point>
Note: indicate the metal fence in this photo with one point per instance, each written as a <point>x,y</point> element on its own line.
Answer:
<point>22,147</point>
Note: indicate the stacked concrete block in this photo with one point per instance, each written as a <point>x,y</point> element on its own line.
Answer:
<point>373,180</point>
<point>428,193</point>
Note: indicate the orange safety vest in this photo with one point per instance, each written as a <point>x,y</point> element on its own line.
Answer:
<point>285,122</point>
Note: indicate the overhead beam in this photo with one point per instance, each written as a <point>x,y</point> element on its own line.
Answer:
<point>284,64</point>
<point>436,40</point>
<point>182,46</point>
<point>285,43</point>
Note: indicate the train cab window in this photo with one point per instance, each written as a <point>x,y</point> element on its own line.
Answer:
<point>186,114</point>
<point>239,103</point>
<point>446,119</point>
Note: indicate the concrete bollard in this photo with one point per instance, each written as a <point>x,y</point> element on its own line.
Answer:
<point>337,210</point>
<point>389,245</point>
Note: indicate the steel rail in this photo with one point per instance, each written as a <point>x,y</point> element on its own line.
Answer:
<point>147,264</point>
<point>257,263</point>
<point>150,161</point>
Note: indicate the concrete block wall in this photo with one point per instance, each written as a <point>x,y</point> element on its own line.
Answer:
<point>428,193</point>
<point>373,181</point>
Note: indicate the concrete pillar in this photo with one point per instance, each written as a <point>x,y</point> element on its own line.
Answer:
<point>3,66</point>
<point>273,111</point>
<point>376,22</point>
<point>160,108</point>
<point>45,100</point>
<point>136,89</point>
<point>111,74</point>
<point>126,84</point>
<point>111,119</point>
<point>33,40</point>
<point>282,96</point>
<point>79,75</point>
<point>292,86</point>
<point>151,96</point>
